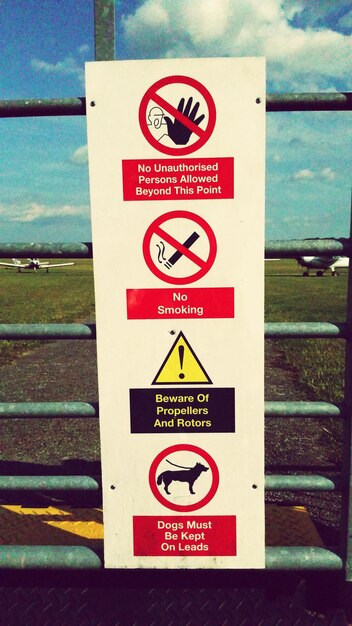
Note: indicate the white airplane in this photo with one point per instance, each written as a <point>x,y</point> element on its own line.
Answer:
<point>34,264</point>
<point>322,264</point>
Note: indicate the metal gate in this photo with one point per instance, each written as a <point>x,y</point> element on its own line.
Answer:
<point>277,558</point>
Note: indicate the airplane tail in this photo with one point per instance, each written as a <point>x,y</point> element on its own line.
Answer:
<point>16,261</point>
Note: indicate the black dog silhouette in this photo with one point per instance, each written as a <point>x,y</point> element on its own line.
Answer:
<point>184,476</point>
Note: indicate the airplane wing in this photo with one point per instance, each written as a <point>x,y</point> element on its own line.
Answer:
<point>341,261</point>
<point>13,264</point>
<point>49,266</point>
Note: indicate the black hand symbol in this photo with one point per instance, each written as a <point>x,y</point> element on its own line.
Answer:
<point>179,133</point>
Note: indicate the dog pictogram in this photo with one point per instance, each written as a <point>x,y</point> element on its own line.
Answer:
<point>186,475</point>
<point>192,464</point>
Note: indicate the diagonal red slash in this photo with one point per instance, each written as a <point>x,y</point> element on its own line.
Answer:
<point>177,114</point>
<point>180,247</point>
<point>154,95</point>
<point>203,265</point>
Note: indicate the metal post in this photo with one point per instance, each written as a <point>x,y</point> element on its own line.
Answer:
<point>346,525</point>
<point>104,30</point>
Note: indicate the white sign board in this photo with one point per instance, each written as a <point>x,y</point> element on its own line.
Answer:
<point>176,160</point>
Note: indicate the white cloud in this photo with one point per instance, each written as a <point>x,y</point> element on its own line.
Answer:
<point>32,211</point>
<point>298,59</point>
<point>80,156</point>
<point>83,49</point>
<point>211,19</point>
<point>292,8</point>
<point>326,173</point>
<point>153,14</point>
<point>67,67</point>
<point>304,174</point>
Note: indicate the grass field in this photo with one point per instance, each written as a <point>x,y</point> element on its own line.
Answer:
<point>62,295</point>
<point>67,295</point>
<point>290,297</point>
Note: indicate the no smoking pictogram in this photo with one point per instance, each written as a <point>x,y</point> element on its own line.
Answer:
<point>184,477</point>
<point>177,115</point>
<point>179,247</point>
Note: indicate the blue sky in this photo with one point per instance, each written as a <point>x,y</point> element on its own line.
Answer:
<point>44,188</point>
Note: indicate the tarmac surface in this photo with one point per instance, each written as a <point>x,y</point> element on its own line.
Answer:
<point>66,371</point>
<point>60,371</point>
<point>301,446</point>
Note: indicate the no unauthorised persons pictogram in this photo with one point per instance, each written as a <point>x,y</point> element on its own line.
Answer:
<point>177,115</point>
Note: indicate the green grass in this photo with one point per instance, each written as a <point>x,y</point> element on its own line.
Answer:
<point>60,296</point>
<point>67,295</point>
<point>290,297</point>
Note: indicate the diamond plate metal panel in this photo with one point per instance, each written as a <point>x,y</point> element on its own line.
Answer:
<point>133,606</point>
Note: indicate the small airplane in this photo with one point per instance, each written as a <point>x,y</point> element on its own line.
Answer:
<point>34,264</point>
<point>322,264</point>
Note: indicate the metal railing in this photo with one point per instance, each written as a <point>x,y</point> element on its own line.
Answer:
<point>276,558</point>
<point>287,558</point>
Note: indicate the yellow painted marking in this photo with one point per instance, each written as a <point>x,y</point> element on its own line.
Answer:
<point>285,526</point>
<point>290,526</point>
<point>50,526</point>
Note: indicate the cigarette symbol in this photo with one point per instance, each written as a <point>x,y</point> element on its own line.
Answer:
<point>177,255</point>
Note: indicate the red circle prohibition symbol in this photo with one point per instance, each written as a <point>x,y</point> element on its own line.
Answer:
<point>152,95</point>
<point>156,228</point>
<point>188,448</point>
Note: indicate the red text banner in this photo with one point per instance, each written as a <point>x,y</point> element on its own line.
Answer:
<point>187,303</point>
<point>178,179</point>
<point>213,535</point>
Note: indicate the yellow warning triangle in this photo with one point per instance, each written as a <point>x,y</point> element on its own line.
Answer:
<point>181,366</point>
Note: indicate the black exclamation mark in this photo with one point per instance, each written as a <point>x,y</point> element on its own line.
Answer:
<point>181,354</point>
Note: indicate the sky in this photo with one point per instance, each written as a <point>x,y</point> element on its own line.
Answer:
<point>44,185</point>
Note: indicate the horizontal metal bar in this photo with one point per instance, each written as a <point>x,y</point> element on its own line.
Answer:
<point>313,330</point>
<point>48,409</point>
<point>80,557</point>
<point>47,250</point>
<point>291,482</point>
<point>42,107</point>
<point>273,482</point>
<point>341,101</point>
<point>47,331</point>
<point>49,557</point>
<point>292,248</point>
<point>273,249</point>
<point>302,409</point>
<point>49,483</point>
<point>302,558</point>
<point>86,409</point>
<point>293,330</point>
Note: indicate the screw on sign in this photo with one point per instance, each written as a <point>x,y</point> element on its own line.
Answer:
<point>184,477</point>
<point>179,247</point>
<point>177,115</point>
